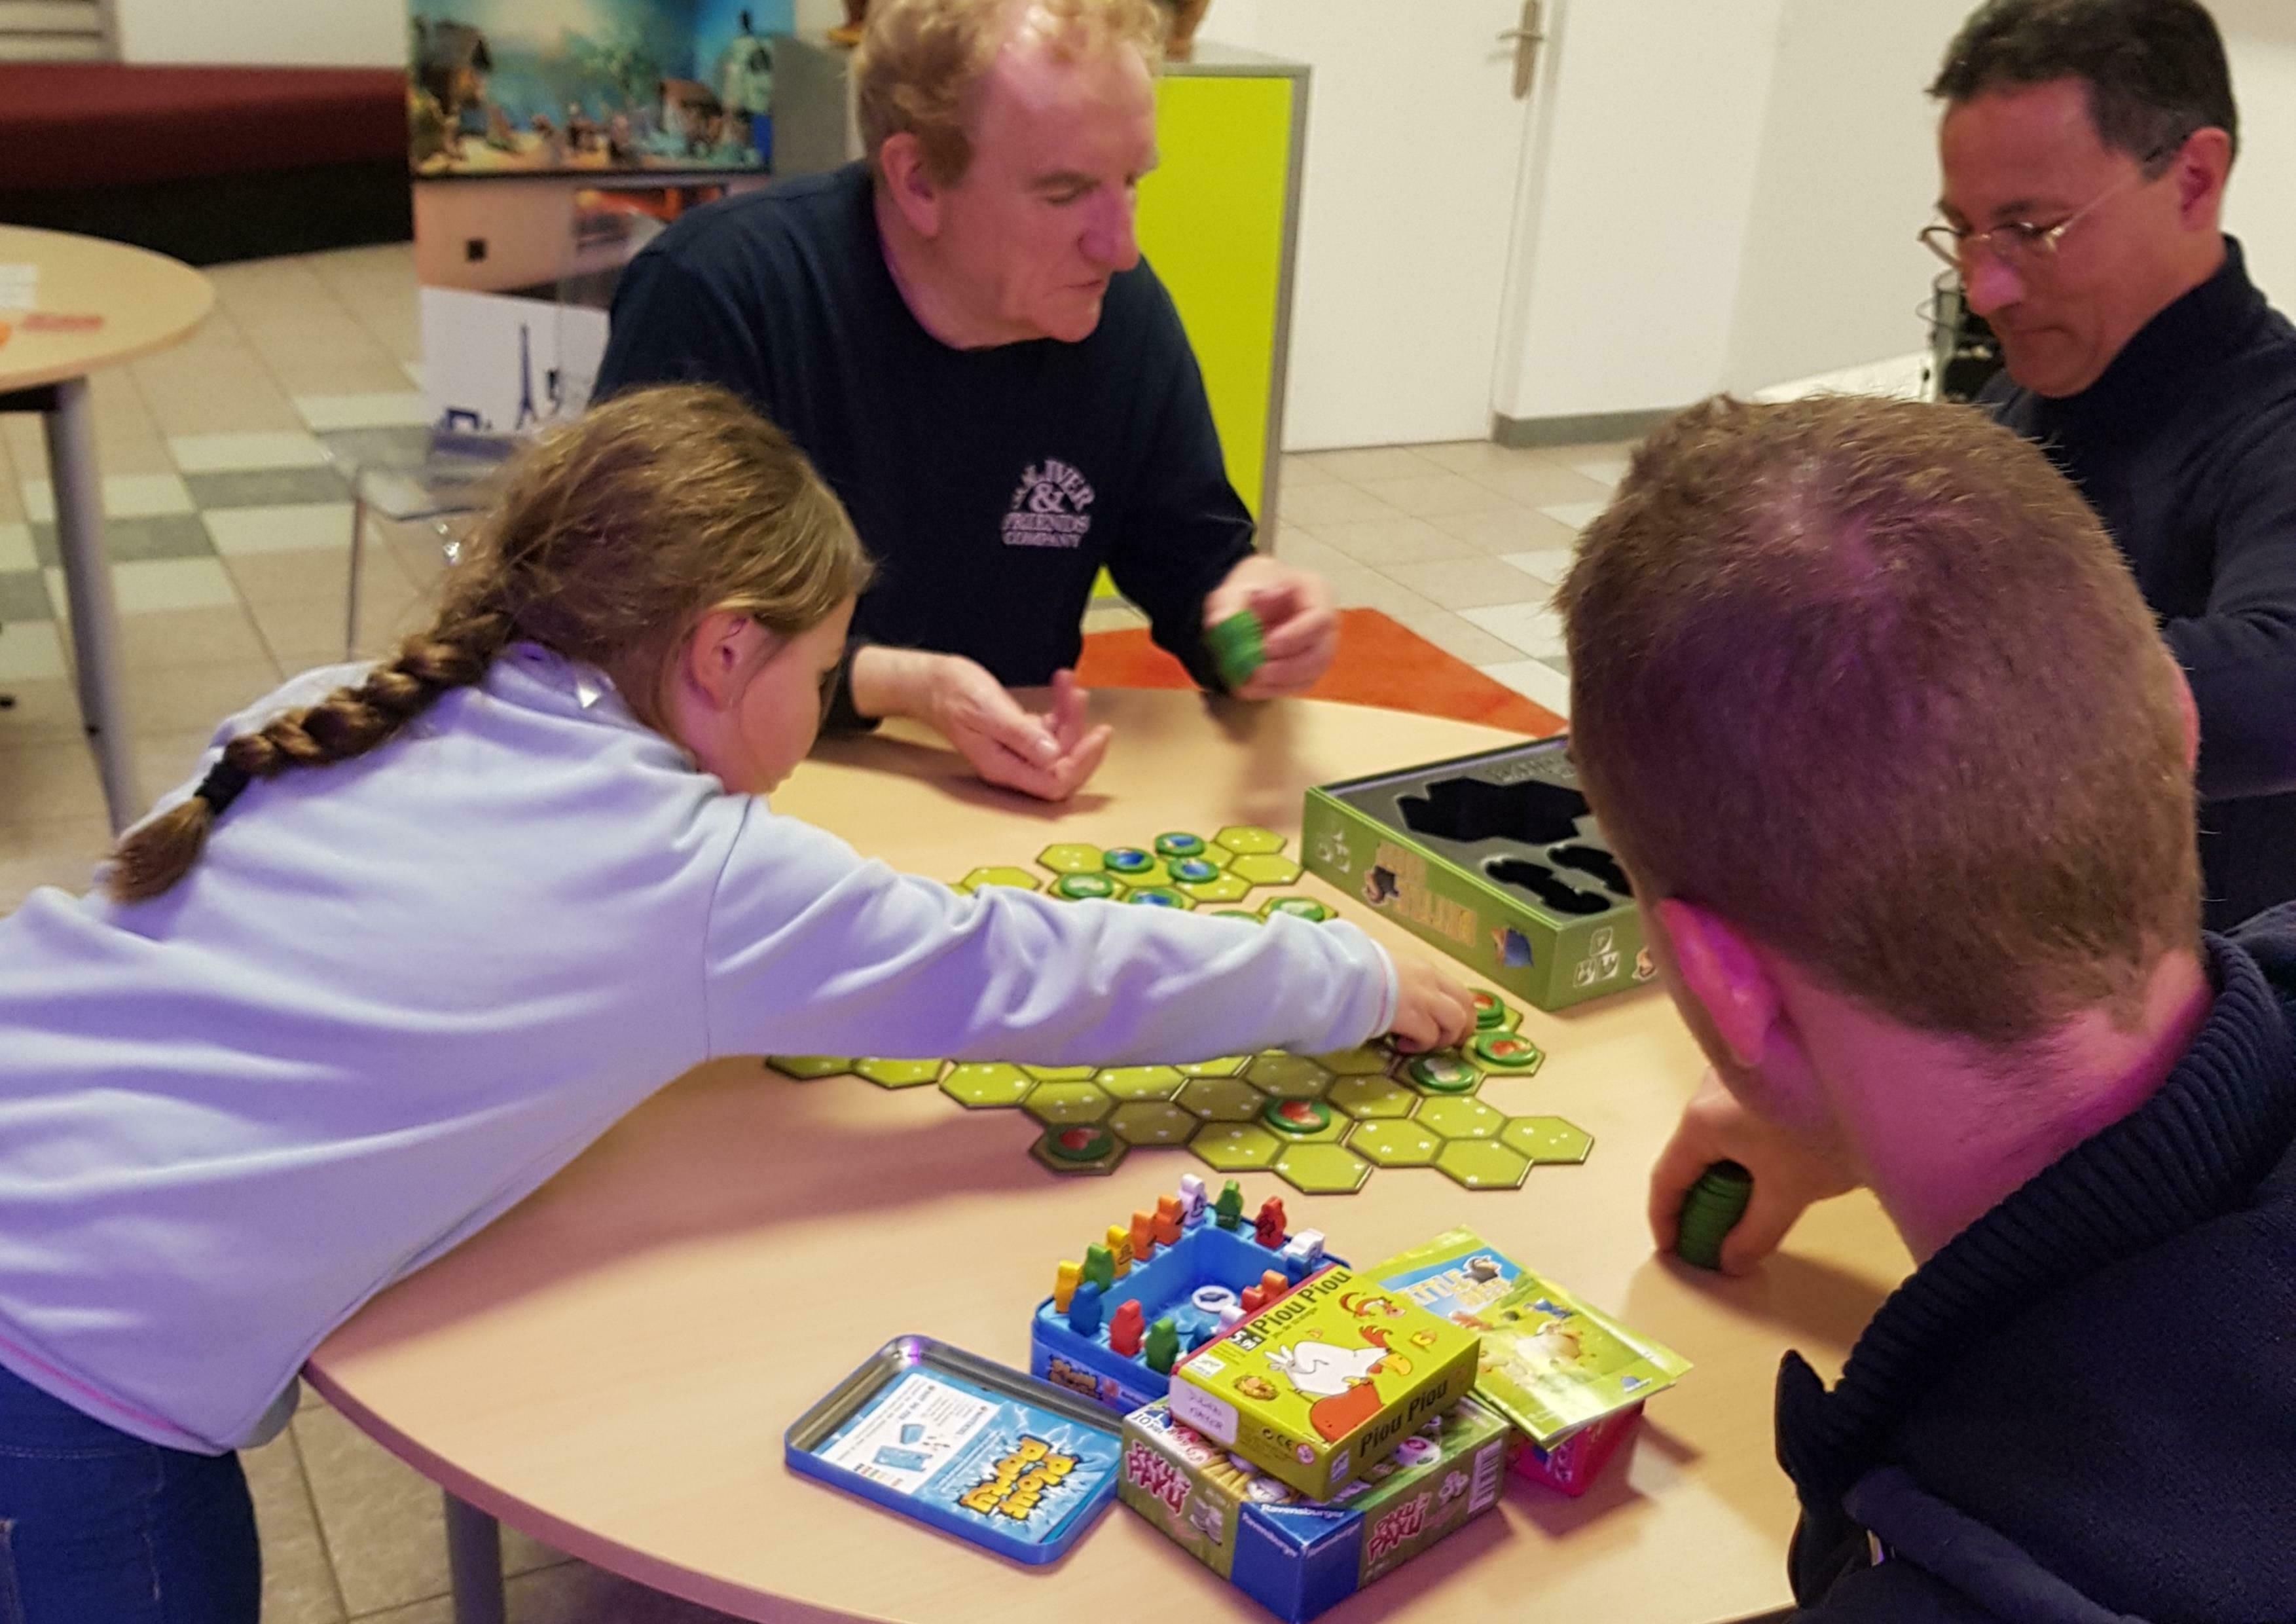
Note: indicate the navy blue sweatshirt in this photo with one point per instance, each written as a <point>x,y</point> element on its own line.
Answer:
<point>2186,448</point>
<point>2082,1410</point>
<point>990,485</point>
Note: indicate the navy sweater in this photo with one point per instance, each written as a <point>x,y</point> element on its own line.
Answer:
<point>2186,448</point>
<point>990,485</point>
<point>2083,1409</point>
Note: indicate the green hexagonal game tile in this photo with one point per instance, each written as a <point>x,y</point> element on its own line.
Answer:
<point>805,1068</point>
<point>1061,1074</point>
<point>1019,879</point>
<point>1060,1104</point>
<point>1460,1119</point>
<point>1364,1098</point>
<point>1394,1144</point>
<point>1289,1076</point>
<point>980,1088</point>
<point>1237,1147</point>
<point>899,1073</point>
<point>1322,1169</point>
<point>1227,888</point>
<point>1365,1060</point>
<point>1482,1164</point>
<point>1246,839</point>
<point>1225,1065</point>
<point>1089,1149</point>
<point>1548,1139</point>
<point>1264,868</point>
<point>1222,1099</point>
<point>1140,1082</point>
<point>1069,859</point>
<point>1151,1122</point>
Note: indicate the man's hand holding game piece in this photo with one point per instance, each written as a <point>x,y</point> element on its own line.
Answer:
<point>1788,1175</point>
<point>1049,756</point>
<point>1299,631</point>
<point>1432,1010</point>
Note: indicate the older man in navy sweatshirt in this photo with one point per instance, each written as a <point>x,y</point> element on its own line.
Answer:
<point>1902,770</point>
<point>2086,147</point>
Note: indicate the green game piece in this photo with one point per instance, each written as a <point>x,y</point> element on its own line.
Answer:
<point>1227,1212</point>
<point>1157,896</point>
<point>1490,1013</point>
<point>1099,1265</point>
<point>1442,1073</point>
<point>1506,1049</point>
<point>1296,1116</point>
<point>1163,1347</point>
<point>1126,860</point>
<point>1303,907</point>
<point>1192,871</point>
<point>1237,914</point>
<point>1236,648</point>
<point>1711,1209</point>
<point>1076,888</point>
<point>1179,844</point>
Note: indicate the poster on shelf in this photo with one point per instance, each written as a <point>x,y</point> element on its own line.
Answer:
<point>511,87</point>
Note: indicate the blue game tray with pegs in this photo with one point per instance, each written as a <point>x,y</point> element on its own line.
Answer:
<point>997,1458</point>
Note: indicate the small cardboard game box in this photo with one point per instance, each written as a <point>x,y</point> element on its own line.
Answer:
<point>1570,1378</point>
<point>1493,859</point>
<point>1292,1555</point>
<point>1325,1382</point>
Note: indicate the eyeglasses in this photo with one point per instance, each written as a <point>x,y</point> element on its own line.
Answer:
<point>2019,244</point>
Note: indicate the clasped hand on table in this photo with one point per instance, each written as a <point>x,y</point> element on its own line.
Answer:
<point>1050,754</point>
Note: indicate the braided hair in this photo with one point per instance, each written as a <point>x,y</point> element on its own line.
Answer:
<point>612,536</point>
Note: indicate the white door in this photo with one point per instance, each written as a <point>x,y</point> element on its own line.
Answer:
<point>1415,148</point>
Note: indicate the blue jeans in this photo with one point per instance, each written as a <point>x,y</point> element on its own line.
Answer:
<point>97,1527</point>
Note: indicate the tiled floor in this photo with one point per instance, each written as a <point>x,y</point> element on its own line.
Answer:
<point>229,527</point>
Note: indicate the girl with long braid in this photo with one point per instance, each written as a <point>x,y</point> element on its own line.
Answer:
<point>419,932</point>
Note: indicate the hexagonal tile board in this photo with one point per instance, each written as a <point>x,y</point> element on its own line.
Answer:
<point>1322,1124</point>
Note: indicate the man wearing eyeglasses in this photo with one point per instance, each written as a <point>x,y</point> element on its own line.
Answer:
<point>2085,146</point>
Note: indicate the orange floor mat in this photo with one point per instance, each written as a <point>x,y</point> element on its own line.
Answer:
<point>1380,663</point>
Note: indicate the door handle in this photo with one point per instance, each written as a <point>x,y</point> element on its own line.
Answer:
<point>1526,40</point>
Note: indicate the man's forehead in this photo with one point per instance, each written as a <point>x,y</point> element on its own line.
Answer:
<point>2020,146</point>
<point>1068,112</point>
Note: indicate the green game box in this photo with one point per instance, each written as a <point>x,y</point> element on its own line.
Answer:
<point>1495,859</point>
<point>1295,1556</point>
<point>1324,1382</point>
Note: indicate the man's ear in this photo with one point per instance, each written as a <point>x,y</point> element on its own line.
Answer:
<point>901,161</point>
<point>721,652</point>
<point>2190,710</point>
<point>2202,166</point>
<point>1715,964</point>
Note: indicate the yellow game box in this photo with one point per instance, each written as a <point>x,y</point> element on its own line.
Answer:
<point>1324,1382</point>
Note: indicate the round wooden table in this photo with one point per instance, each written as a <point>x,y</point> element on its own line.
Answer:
<point>610,1365</point>
<point>146,302</point>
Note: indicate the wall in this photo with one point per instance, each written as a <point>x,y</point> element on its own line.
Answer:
<point>1831,277</point>
<point>1632,231</point>
<point>2261,37</point>
<point>349,33</point>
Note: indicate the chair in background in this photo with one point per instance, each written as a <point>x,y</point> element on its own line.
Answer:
<point>436,477</point>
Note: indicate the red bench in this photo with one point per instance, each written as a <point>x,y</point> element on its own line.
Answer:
<point>206,164</point>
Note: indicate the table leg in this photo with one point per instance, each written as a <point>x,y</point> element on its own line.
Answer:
<point>72,474</point>
<point>474,1558</point>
